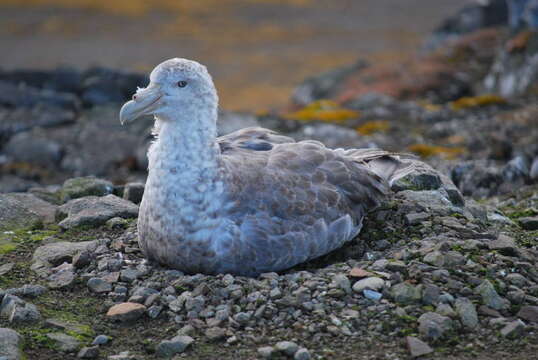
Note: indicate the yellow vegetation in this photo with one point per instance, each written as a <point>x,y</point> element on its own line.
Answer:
<point>323,110</point>
<point>139,7</point>
<point>474,101</point>
<point>371,127</point>
<point>425,150</point>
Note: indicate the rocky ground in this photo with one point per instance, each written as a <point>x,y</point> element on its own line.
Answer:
<point>445,269</point>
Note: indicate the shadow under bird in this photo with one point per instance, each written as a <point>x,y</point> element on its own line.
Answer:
<point>249,202</point>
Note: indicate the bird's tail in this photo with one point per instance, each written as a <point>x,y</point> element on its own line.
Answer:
<point>387,165</point>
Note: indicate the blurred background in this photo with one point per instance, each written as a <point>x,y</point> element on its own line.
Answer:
<point>257,51</point>
<point>453,81</point>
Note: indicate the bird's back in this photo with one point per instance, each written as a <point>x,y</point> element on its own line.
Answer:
<point>296,201</point>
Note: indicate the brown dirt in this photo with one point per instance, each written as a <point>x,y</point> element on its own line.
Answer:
<point>256,50</point>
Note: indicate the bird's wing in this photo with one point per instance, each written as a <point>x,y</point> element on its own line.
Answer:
<point>252,138</point>
<point>297,201</point>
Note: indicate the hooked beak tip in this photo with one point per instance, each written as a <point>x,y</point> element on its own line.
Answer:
<point>146,103</point>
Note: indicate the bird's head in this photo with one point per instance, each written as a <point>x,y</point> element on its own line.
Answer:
<point>176,85</point>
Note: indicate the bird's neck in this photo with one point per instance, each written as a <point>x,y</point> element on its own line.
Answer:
<point>186,143</point>
<point>184,163</point>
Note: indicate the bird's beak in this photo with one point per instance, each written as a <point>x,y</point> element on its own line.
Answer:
<point>145,102</point>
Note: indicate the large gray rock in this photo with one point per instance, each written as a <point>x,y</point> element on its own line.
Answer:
<point>85,186</point>
<point>64,342</point>
<point>424,177</point>
<point>467,312</point>
<point>18,311</point>
<point>434,326</point>
<point>417,347</point>
<point>15,214</point>
<point>34,148</point>
<point>176,345</point>
<point>490,297</point>
<point>94,211</point>
<point>372,283</point>
<point>44,209</point>
<point>10,344</point>
<point>529,313</point>
<point>50,255</point>
<point>405,293</point>
<point>436,202</point>
<point>13,121</point>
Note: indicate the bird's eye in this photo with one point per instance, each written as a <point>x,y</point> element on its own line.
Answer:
<point>181,84</point>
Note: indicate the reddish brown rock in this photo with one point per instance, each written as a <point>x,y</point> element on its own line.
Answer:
<point>359,273</point>
<point>126,312</point>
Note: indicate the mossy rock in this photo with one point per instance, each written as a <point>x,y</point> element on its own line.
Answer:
<point>85,186</point>
<point>15,215</point>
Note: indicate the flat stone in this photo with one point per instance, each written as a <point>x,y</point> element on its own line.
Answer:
<point>417,347</point>
<point>287,347</point>
<point>10,344</point>
<point>416,218</point>
<point>434,326</point>
<point>396,266</point>
<point>449,259</point>
<point>215,333</point>
<point>467,312</point>
<point>62,277</point>
<point>371,283</point>
<point>504,244</point>
<point>28,290</point>
<point>431,294</point>
<point>94,211</point>
<point>341,281</point>
<point>17,215</point>
<point>490,297</point>
<point>88,352</point>
<point>405,293</point>
<point>5,268</point>
<point>129,275</point>
<point>98,285</point>
<point>85,186</point>
<point>176,345</point>
<point>18,311</point>
<point>126,312</point>
<point>529,313</point>
<point>64,342</point>
<point>513,329</point>
<point>359,273</point>
<point>44,209</point>
<point>50,255</point>
<point>529,223</point>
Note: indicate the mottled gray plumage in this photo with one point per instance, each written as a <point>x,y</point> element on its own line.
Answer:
<point>252,201</point>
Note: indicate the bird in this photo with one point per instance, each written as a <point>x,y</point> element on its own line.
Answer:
<point>249,202</point>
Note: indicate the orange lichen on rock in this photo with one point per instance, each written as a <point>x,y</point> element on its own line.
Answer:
<point>425,151</point>
<point>371,127</point>
<point>475,101</point>
<point>323,110</point>
<point>519,42</point>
